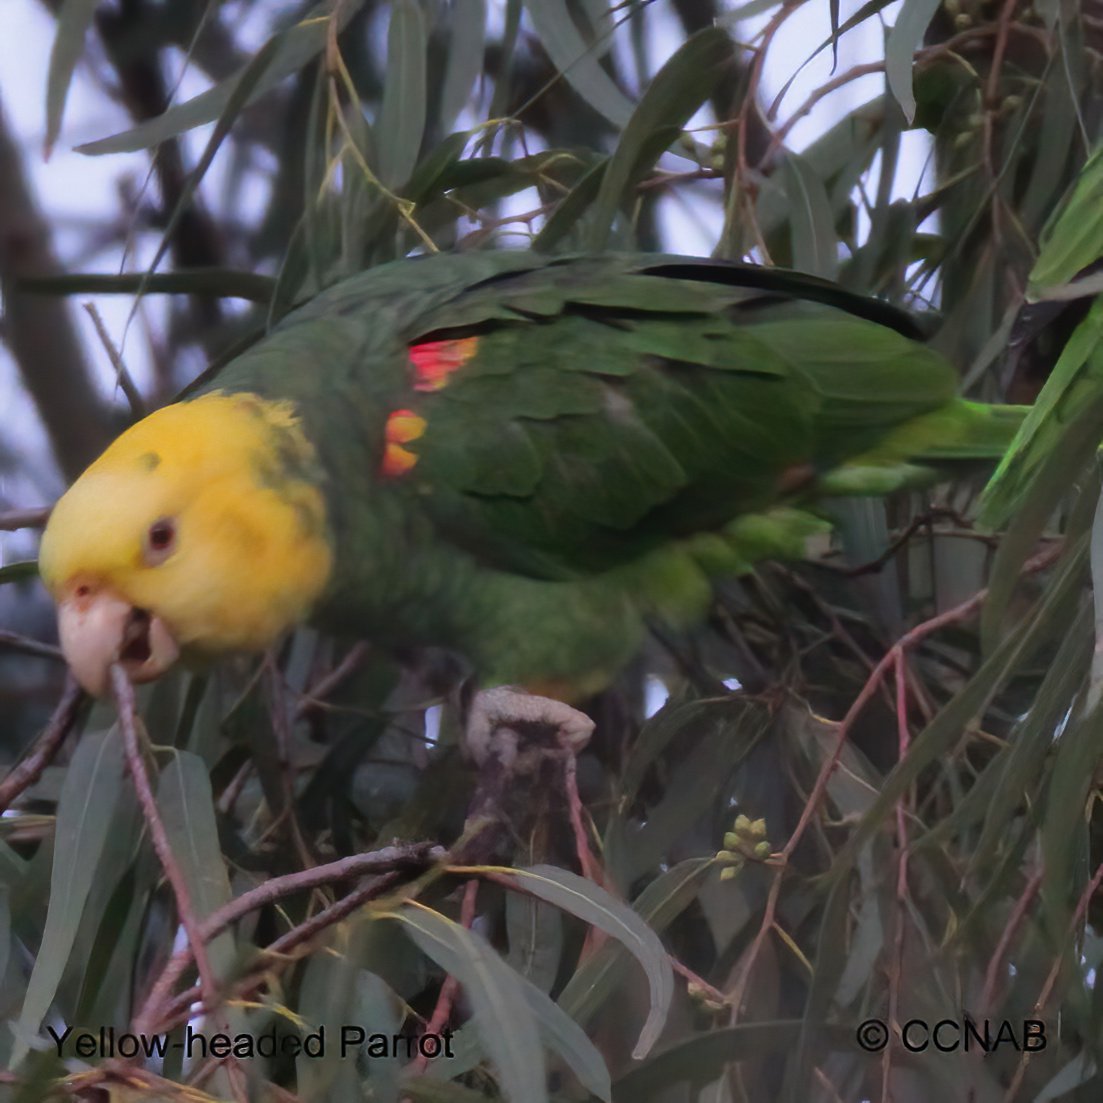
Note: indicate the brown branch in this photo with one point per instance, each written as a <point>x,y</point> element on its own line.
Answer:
<point>314,696</point>
<point>1011,928</point>
<point>28,646</point>
<point>16,519</point>
<point>122,375</point>
<point>39,329</point>
<point>195,241</point>
<point>587,863</point>
<point>187,1004</point>
<point>130,727</point>
<point>391,858</point>
<point>1050,982</point>
<point>896,653</point>
<point>25,773</point>
<point>896,969</point>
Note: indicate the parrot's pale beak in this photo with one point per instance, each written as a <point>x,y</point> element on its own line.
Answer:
<point>97,628</point>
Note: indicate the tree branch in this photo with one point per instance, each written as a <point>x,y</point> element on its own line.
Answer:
<point>39,329</point>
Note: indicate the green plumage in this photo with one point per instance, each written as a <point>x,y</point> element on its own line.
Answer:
<point>621,429</point>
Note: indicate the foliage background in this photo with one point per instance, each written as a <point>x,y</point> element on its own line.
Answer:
<point>947,867</point>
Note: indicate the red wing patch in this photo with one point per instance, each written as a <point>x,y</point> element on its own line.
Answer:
<point>434,361</point>
<point>402,426</point>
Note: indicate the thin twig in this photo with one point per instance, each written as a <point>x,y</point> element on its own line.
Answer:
<point>315,695</point>
<point>185,1005</point>
<point>28,646</point>
<point>1078,914</point>
<point>281,726</point>
<point>897,966</point>
<point>26,772</point>
<point>122,375</point>
<point>411,855</point>
<point>1011,928</point>
<point>129,724</point>
<point>15,519</point>
<point>448,990</point>
<point>951,616</point>
<point>586,861</point>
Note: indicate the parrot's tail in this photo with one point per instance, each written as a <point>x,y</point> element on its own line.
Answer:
<point>916,453</point>
<point>963,430</point>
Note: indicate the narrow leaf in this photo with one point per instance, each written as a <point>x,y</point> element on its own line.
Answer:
<point>289,51</point>
<point>679,88</point>
<point>184,800</point>
<point>502,1014</point>
<point>658,905</point>
<point>565,1037</point>
<point>20,571</point>
<point>465,59</point>
<point>595,906</point>
<point>92,788</point>
<point>702,1057</point>
<point>813,227</point>
<point>903,41</point>
<point>577,59</point>
<point>401,122</point>
<point>73,21</point>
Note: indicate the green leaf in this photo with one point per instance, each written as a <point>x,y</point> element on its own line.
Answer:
<point>678,89</point>
<point>567,214</point>
<point>506,1025</point>
<point>703,1057</point>
<point>401,120</point>
<point>1073,236</point>
<point>559,1032</point>
<point>1073,449</point>
<point>465,59</point>
<point>718,737</point>
<point>904,39</point>
<point>241,93</point>
<point>659,904</point>
<point>813,226</point>
<point>535,933</point>
<point>577,59</point>
<point>595,906</point>
<point>1074,384</point>
<point>20,571</point>
<point>5,929</point>
<point>73,20</point>
<point>93,785</point>
<point>951,720</point>
<point>335,992</point>
<point>286,52</point>
<point>187,810</point>
<point>424,1089</point>
<point>1065,824</point>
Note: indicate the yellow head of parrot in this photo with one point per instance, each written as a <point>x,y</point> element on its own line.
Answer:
<point>200,530</point>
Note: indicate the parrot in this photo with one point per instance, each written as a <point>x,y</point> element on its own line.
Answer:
<point>527,460</point>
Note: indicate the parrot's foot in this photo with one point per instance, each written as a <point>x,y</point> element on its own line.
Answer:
<point>519,729</point>
<point>513,735</point>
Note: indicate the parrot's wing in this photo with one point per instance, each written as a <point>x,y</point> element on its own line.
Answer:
<point>568,418</point>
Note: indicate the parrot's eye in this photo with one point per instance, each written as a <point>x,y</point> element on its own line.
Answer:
<point>160,541</point>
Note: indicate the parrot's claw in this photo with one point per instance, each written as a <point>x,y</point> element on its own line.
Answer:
<point>517,728</point>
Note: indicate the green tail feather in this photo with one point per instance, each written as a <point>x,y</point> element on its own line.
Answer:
<point>911,455</point>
